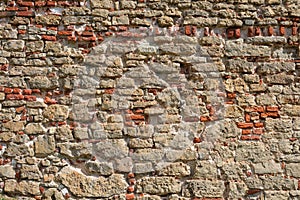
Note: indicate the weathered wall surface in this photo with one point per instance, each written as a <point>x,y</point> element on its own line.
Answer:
<point>150,99</point>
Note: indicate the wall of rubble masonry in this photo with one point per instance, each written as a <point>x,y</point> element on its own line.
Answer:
<point>150,99</point>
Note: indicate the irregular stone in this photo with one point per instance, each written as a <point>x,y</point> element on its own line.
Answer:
<point>291,110</point>
<point>44,145</point>
<point>89,186</point>
<point>63,133</point>
<point>124,165</point>
<point>233,111</point>
<point>35,128</point>
<point>292,169</point>
<point>23,187</point>
<point>122,20</point>
<point>165,21</point>
<point>179,49</point>
<point>76,150</point>
<point>13,126</point>
<point>252,151</point>
<point>238,48</point>
<point>30,172</point>
<point>35,46</point>
<point>279,125</point>
<point>14,45</point>
<point>278,183</point>
<point>201,21</point>
<point>276,195</point>
<point>13,150</point>
<point>237,190</point>
<point>177,169</point>
<point>56,112</point>
<point>205,170</point>
<point>147,155</point>
<point>140,168</point>
<point>158,185</point>
<point>48,19</point>
<point>107,4</point>
<point>268,167</point>
<point>203,188</point>
<point>53,193</point>
<point>266,40</point>
<point>140,143</point>
<point>111,149</point>
<point>281,78</point>
<point>101,168</point>
<point>7,171</point>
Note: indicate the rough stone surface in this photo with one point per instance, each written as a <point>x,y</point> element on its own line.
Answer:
<point>149,99</point>
<point>88,186</point>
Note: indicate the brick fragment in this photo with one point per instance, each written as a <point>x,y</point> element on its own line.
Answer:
<point>244,125</point>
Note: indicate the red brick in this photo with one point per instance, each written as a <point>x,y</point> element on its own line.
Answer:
<point>270,31</point>
<point>258,125</point>
<point>247,117</point>
<point>130,189</point>
<point>93,38</point>
<point>48,100</point>
<point>17,90</point>
<point>251,32</point>
<point>49,37</point>
<point>20,109</point>
<point>231,95</point>
<point>87,33</point>
<point>27,91</point>
<point>230,33</point>
<point>25,13</point>
<point>272,108</point>
<point>51,3</point>
<point>30,98</point>
<point>272,114</point>
<point>188,30</point>
<point>53,28</point>
<point>14,97</point>
<point>130,196</point>
<point>22,32</point>
<point>8,90</point>
<point>68,33</point>
<point>254,109</point>
<point>258,131</point>
<point>237,33</point>
<point>294,30</point>
<point>204,118</point>
<point>250,137</point>
<point>38,91</point>
<point>281,30</point>
<point>26,3</point>
<point>244,125</point>
<point>12,8</point>
<point>109,91</point>
<point>137,117</point>
<point>72,38</point>
<point>246,131</point>
<point>40,3</point>
<point>257,31</point>
<point>263,115</point>
<point>197,140</point>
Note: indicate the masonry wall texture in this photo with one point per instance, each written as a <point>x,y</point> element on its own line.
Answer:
<point>150,99</point>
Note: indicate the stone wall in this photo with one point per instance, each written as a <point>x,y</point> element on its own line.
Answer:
<point>150,99</point>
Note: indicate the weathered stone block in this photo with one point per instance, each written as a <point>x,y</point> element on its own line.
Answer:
<point>203,188</point>
<point>158,185</point>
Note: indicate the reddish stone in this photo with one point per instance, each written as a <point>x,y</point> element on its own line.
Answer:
<point>251,32</point>
<point>12,8</point>
<point>130,189</point>
<point>17,90</point>
<point>272,114</point>
<point>38,91</point>
<point>282,30</point>
<point>72,38</point>
<point>231,95</point>
<point>20,109</point>
<point>244,125</point>
<point>137,117</point>
<point>51,3</point>
<point>87,33</point>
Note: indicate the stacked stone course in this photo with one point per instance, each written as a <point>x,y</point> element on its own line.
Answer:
<point>150,99</point>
